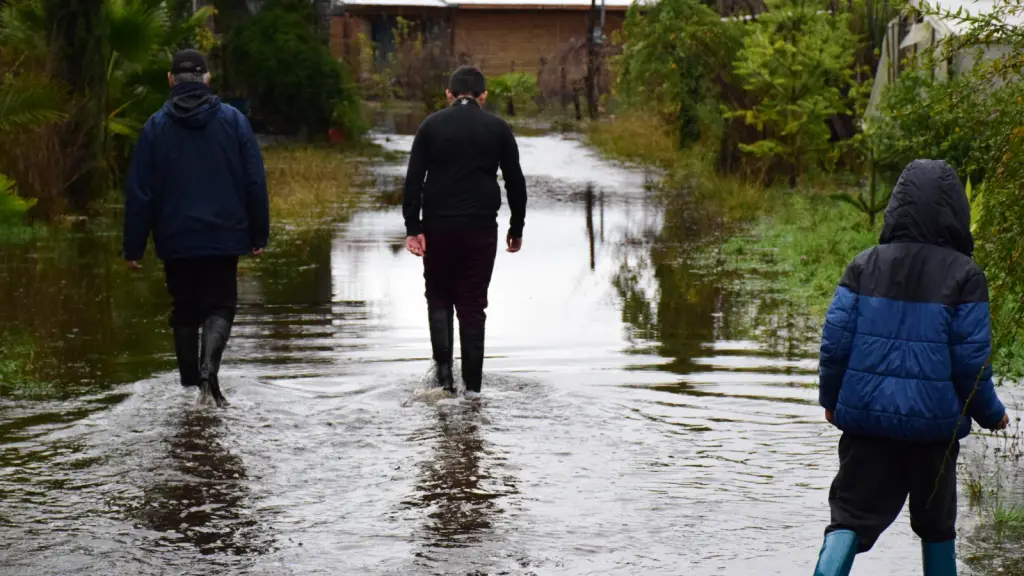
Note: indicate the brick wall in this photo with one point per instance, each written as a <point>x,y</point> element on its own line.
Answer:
<point>501,41</point>
<point>345,31</point>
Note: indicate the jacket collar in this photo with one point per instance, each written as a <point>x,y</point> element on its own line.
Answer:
<point>465,101</point>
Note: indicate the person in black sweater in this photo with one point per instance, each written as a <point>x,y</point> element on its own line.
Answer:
<point>451,207</point>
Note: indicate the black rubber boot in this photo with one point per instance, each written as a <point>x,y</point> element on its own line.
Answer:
<point>442,340</point>
<point>186,348</point>
<point>216,331</point>
<point>472,340</point>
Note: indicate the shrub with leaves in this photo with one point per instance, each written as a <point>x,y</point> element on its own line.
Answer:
<point>961,121</point>
<point>513,93</point>
<point>798,66</point>
<point>293,81</point>
<point>677,57</point>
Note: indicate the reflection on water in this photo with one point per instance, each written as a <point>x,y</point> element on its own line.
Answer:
<point>645,410</point>
<point>462,490</point>
<point>199,491</point>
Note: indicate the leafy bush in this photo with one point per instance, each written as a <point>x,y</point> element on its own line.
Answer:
<point>348,108</point>
<point>294,83</point>
<point>12,208</point>
<point>798,65</point>
<point>14,225</point>
<point>514,93</point>
<point>677,57</point>
<point>962,121</point>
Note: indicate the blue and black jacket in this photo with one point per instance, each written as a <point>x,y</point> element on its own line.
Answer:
<point>907,338</point>
<point>197,181</point>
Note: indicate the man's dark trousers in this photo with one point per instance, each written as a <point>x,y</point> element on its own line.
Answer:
<point>457,267</point>
<point>200,288</point>
<point>875,477</point>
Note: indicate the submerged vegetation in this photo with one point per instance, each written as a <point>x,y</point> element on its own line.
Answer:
<point>311,185</point>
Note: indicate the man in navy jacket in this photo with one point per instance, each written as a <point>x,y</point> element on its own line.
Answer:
<point>197,184</point>
<point>904,368</point>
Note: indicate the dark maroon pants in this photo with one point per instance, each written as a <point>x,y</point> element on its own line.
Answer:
<point>457,268</point>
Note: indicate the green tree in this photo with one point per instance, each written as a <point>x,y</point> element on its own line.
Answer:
<point>798,65</point>
<point>289,74</point>
<point>78,37</point>
<point>677,57</point>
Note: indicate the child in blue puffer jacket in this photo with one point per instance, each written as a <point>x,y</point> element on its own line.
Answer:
<point>904,368</point>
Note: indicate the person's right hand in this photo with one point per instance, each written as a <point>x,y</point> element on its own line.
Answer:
<point>133,265</point>
<point>417,245</point>
<point>1002,423</point>
<point>830,417</point>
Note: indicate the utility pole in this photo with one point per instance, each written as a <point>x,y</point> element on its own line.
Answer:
<point>324,8</point>
<point>593,37</point>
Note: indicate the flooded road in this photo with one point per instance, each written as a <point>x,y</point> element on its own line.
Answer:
<point>643,411</point>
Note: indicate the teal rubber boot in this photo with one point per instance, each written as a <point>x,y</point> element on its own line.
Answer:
<point>836,556</point>
<point>939,558</point>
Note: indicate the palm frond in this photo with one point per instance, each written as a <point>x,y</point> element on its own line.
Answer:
<point>183,32</point>
<point>6,185</point>
<point>23,33</point>
<point>123,126</point>
<point>136,28</point>
<point>855,201</point>
<point>28,102</point>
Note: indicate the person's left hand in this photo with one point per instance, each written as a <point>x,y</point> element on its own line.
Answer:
<point>514,244</point>
<point>134,265</point>
<point>416,245</point>
<point>830,417</point>
<point>257,252</point>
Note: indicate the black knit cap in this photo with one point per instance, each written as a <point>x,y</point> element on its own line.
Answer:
<point>188,62</point>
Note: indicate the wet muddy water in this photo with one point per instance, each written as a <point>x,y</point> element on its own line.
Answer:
<point>644,412</point>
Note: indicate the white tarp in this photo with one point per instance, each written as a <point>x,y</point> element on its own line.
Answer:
<point>501,4</point>
<point>927,33</point>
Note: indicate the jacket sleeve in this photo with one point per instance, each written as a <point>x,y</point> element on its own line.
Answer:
<point>412,201</point>
<point>970,351</point>
<point>257,202</point>
<point>837,337</point>
<point>140,200</point>
<point>515,183</point>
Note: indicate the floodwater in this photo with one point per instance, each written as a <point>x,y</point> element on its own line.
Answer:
<point>644,410</point>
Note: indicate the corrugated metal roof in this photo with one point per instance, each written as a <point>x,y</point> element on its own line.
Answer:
<point>521,4</point>
<point>973,7</point>
<point>496,4</point>
<point>393,3</point>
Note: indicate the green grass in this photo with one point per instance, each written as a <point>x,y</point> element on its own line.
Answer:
<point>311,185</point>
<point>18,364</point>
<point>811,239</point>
<point>1008,520</point>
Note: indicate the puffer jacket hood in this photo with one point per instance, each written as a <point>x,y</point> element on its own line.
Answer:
<point>192,105</point>
<point>929,206</point>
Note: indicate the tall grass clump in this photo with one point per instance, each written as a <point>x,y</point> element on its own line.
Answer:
<point>311,184</point>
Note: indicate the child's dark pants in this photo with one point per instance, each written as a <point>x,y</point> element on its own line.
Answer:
<point>875,477</point>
